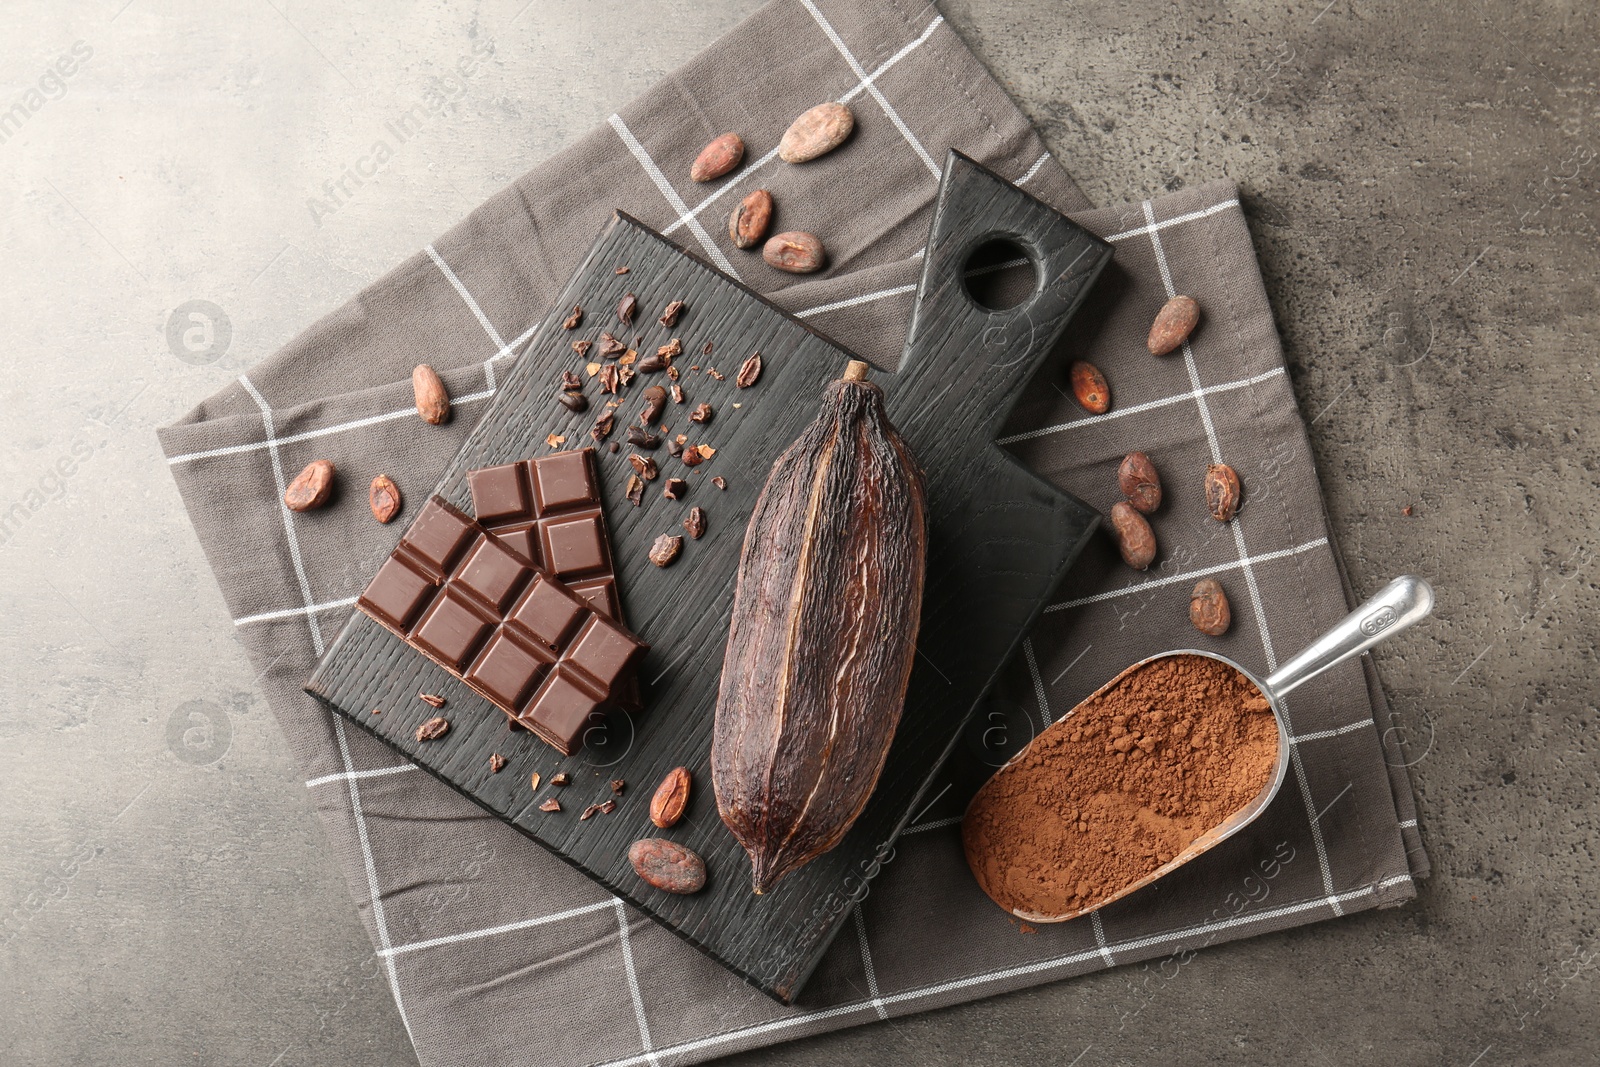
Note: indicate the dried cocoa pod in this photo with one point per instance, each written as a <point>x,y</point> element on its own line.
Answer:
<point>433,401</point>
<point>822,635</point>
<point>667,865</point>
<point>749,221</point>
<point>671,798</point>
<point>1089,387</point>
<point>1135,539</point>
<point>795,252</point>
<point>1174,323</point>
<point>1222,492</point>
<point>1209,609</point>
<point>311,488</point>
<point>717,158</point>
<point>816,133</point>
<point>1139,482</point>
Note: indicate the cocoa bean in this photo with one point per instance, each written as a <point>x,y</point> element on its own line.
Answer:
<point>655,401</point>
<point>667,865</point>
<point>1139,482</point>
<point>573,402</point>
<point>1222,492</point>
<point>433,402</point>
<point>671,798</point>
<point>749,371</point>
<point>816,133</point>
<point>1174,323</point>
<point>696,522</point>
<point>795,252</point>
<point>717,158</point>
<point>1089,387</point>
<point>1135,540</point>
<point>383,497</point>
<point>749,221</point>
<point>311,488</point>
<point>1208,608</point>
<point>665,550</point>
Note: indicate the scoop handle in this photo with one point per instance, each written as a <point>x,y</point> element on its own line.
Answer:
<point>1404,601</point>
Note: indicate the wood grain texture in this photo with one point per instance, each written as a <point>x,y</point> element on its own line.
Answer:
<point>1000,540</point>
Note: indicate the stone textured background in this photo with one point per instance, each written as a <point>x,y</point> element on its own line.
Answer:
<point>1420,179</point>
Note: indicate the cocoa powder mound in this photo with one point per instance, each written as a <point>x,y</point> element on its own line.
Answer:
<point>1131,777</point>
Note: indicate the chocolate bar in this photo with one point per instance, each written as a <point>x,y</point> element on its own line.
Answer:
<point>549,510</point>
<point>510,630</point>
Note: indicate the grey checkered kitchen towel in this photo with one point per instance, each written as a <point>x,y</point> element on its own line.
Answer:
<point>498,953</point>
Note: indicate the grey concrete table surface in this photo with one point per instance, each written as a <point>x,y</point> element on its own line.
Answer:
<point>1420,182</point>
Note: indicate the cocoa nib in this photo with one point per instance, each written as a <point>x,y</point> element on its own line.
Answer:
<point>433,700</point>
<point>669,317</point>
<point>695,523</point>
<point>574,320</point>
<point>433,729</point>
<point>701,413</point>
<point>639,437</point>
<point>665,550</point>
<point>610,347</point>
<point>603,426</point>
<point>635,490</point>
<point>720,482</point>
<point>645,467</point>
<point>655,400</point>
<point>626,308</point>
<point>550,804</point>
<point>573,402</point>
<point>749,371</point>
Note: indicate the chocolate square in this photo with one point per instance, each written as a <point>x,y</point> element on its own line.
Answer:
<point>547,613</point>
<point>452,630</point>
<point>509,670</point>
<point>438,536</point>
<point>499,492</point>
<point>576,546</point>
<point>397,593</point>
<point>493,572</point>
<point>564,480</point>
<point>562,707</point>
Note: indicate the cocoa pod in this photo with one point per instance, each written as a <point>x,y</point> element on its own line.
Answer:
<point>822,634</point>
<point>1139,482</point>
<point>1089,387</point>
<point>1222,492</point>
<point>433,402</point>
<point>311,488</point>
<point>383,497</point>
<point>717,158</point>
<point>795,252</point>
<point>749,221</point>
<point>816,133</point>
<point>671,798</point>
<point>1209,609</point>
<point>1174,323</point>
<point>1135,540</point>
<point>667,865</point>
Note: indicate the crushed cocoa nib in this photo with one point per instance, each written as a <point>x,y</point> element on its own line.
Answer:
<point>675,488</point>
<point>635,490</point>
<point>639,437</point>
<point>675,448</point>
<point>626,308</point>
<point>665,550</point>
<point>573,402</point>
<point>702,413</point>
<point>618,784</point>
<point>560,778</point>
<point>671,350</point>
<point>652,365</point>
<point>645,466</point>
<point>610,347</point>
<point>715,373</point>
<point>609,378</point>
<point>669,317</point>
<point>589,812</point>
<point>433,729</point>
<point>672,372</point>
<point>677,393</point>
<point>655,400</point>
<point>692,456</point>
<point>706,351</point>
<point>574,320</point>
<point>497,763</point>
<point>550,804</point>
<point>720,482</point>
<point>749,371</point>
<point>571,382</point>
<point>620,270</point>
<point>582,347</point>
<point>695,523</point>
<point>625,375</point>
<point>608,807</point>
<point>603,426</point>
<point>613,448</point>
<point>433,700</point>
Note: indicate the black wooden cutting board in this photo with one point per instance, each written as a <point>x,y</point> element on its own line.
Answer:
<point>1000,540</point>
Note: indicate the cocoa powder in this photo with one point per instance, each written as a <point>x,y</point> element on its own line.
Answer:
<point>1132,776</point>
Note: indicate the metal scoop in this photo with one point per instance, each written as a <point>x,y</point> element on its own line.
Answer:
<point>1398,605</point>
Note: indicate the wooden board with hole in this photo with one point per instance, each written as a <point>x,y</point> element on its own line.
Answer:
<point>1000,540</point>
